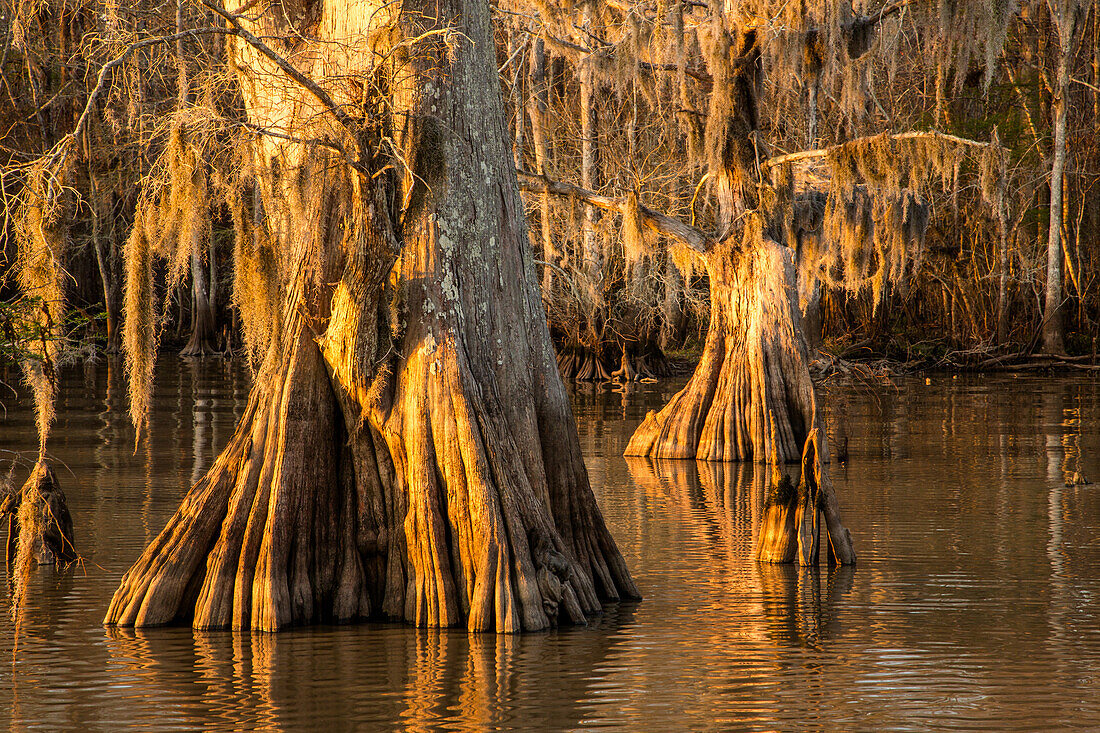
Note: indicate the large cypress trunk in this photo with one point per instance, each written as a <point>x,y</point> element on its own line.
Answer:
<point>408,450</point>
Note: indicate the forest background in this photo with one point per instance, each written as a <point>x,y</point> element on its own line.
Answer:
<point>610,99</point>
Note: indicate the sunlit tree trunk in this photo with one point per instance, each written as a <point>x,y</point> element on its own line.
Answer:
<point>408,449</point>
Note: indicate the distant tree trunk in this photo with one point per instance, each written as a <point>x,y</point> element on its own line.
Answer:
<point>409,451</point>
<point>810,293</point>
<point>203,326</point>
<point>1002,288</point>
<point>751,397</point>
<point>514,47</point>
<point>672,310</point>
<point>201,342</point>
<point>1065,16</point>
<point>537,104</point>
<point>1053,311</point>
<point>590,172</point>
<point>106,263</point>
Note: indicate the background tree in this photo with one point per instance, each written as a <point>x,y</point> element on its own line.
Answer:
<point>856,219</point>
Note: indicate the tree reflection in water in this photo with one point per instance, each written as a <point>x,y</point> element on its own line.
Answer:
<point>723,502</point>
<point>381,675</point>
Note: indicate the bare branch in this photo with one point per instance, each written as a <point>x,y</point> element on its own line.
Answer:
<point>60,149</point>
<point>308,84</point>
<point>670,226</point>
<point>822,152</point>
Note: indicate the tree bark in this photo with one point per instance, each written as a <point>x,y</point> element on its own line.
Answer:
<point>408,450</point>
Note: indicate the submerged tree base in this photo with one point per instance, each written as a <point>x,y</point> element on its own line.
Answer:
<point>624,364</point>
<point>751,398</point>
<point>432,518</point>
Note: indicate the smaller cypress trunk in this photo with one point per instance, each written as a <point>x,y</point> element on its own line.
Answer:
<point>108,277</point>
<point>751,398</point>
<point>40,528</point>
<point>203,323</point>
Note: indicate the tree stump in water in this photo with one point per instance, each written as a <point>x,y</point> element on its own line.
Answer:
<point>38,521</point>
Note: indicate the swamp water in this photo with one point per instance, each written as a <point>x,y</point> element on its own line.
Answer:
<point>975,603</point>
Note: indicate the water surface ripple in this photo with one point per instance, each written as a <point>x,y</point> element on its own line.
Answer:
<point>973,606</point>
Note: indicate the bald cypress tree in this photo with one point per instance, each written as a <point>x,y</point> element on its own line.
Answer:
<point>850,215</point>
<point>408,449</point>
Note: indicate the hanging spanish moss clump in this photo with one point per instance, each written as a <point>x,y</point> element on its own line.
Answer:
<point>877,211</point>
<point>970,33</point>
<point>255,281</point>
<point>140,329</point>
<point>42,237</point>
<point>183,211</point>
<point>993,180</point>
<point>172,222</point>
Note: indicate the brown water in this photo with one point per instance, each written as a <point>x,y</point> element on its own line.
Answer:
<point>974,604</point>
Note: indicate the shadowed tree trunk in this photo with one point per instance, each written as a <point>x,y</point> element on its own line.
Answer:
<point>201,342</point>
<point>107,265</point>
<point>408,450</point>
<point>1065,15</point>
<point>40,528</point>
<point>203,326</point>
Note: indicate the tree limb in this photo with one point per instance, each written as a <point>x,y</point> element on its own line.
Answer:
<point>60,150</point>
<point>823,152</point>
<point>696,239</point>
